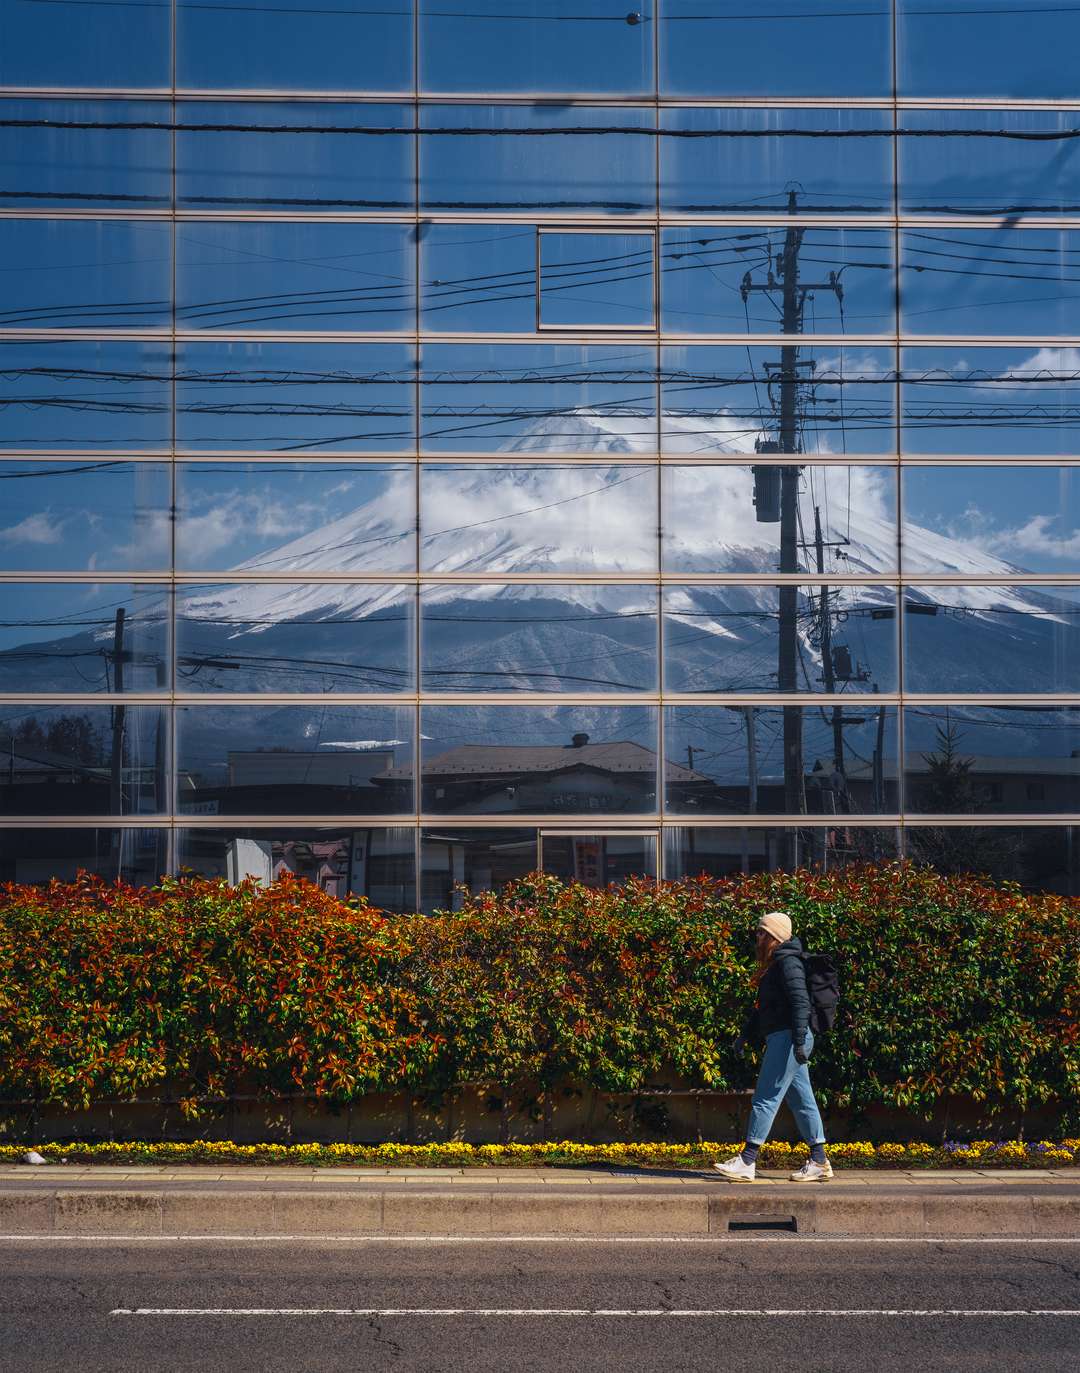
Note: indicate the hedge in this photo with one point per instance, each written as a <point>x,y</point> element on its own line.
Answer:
<point>952,987</point>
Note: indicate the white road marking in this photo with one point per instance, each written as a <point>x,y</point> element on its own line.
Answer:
<point>577,1312</point>
<point>742,1239</point>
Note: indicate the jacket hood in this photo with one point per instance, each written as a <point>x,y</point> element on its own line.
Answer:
<point>792,946</point>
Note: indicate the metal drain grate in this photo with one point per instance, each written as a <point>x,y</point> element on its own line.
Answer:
<point>788,1223</point>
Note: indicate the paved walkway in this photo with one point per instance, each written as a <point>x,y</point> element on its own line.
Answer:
<point>248,1175</point>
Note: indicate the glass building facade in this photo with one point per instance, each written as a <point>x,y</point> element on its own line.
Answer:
<point>437,441</point>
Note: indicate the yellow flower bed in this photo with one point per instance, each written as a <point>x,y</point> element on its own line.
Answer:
<point>860,1154</point>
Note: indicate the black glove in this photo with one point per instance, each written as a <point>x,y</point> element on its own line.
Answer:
<point>801,1056</point>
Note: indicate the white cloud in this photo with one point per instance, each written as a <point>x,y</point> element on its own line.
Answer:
<point>39,528</point>
<point>362,744</point>
<point>1035,537</point>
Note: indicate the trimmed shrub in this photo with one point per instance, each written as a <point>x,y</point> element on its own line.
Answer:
<point>952,987</point>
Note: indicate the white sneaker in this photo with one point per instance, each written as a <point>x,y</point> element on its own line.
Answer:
<point>735,1170</point>
<point>813,1172</point>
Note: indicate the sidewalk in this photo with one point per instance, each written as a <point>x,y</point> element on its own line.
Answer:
<point>65,1200</point>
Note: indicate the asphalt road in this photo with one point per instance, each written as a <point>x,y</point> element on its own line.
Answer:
<point>175,1305</point>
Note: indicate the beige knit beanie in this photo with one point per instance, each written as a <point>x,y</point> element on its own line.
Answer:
<point>776,923</point>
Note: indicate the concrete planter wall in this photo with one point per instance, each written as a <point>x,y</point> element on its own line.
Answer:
<point>484,1115</point>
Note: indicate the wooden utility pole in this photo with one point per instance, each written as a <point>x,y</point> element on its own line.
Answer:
<point>793,295</point>
<point>119,712</point>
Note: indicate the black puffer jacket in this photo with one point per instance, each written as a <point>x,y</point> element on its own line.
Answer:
<point>783,997</point>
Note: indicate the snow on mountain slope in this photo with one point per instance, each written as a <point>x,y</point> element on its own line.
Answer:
<point>502,518</point>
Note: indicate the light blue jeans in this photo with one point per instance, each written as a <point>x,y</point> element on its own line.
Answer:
<point>781,1078</point>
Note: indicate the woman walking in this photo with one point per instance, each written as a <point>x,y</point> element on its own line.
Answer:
<point>782,1019</point>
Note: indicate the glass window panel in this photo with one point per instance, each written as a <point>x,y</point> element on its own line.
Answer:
<point>532,760</point>
<point>784,48</point>
<point>103,515</point>
<point>538,398</point>
<point>377,863</point>
<point>525,46</point>
<point>1014,760</point>
<point>726,519</point>
<point>90,45</point>
<point>595,860</point>
<point>975,639</point>
<point>537,157</point>
<point>85,274</point>
<point>1040,858</point>
<point>729,399</point>
<point>990,281</point>
<point>298,156</point>
<point>986,401</point>
<point>480,859</point>
<point>989,162</point>
<point>992,521</point>
<point>310,276</point>
<point>259,636</point>
<point>748,161</point>
<point>691,851</point>
<point>596,280</point>
<point>549,518</point>
<point>85,153</point>
<point>965,48</point>
<point>224,46</point>
<point>730,760</point>
<point>478,278</point>
<point>728,638</point>
<point>538,638</point>
<point>136,855</point>
<point>295,517</point>
<point>77,636</point>
<point>294,760</point>
<point>355,397</point>
<point>702,270</point>
<point>83,760</point>
<point>85,394</point>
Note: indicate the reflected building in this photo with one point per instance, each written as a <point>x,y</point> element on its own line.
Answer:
<point>442,444</point>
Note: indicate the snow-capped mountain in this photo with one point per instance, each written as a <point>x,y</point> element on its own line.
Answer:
<point>502,518</point>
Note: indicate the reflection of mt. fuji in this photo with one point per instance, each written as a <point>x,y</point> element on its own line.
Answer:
<point>494,519</point>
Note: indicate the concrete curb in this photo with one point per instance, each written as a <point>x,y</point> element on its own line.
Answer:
<point>128,1212</point>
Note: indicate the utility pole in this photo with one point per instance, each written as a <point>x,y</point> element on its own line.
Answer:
<point>879,761</point>
<point>783,277</point>
<point>828,671</point>
<point>787,676</point>
<point>119,711</point>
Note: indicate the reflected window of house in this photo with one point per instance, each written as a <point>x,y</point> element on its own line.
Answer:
<point>478,860</point>
<point>376,863</point>
<point>716,851</point>
<point>135,854</point>
<point>597,860</point>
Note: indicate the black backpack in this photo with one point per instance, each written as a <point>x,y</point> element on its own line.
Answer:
<point>823,984</point>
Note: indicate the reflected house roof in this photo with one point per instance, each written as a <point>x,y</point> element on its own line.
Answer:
<point>46,762</point>
<point>621,756</point>
<point>979,765</point>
